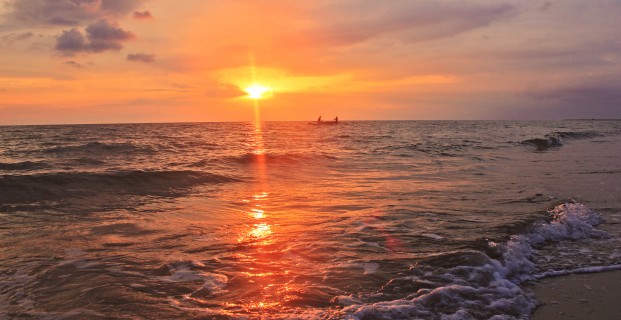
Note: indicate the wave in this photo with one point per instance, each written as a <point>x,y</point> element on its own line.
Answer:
<point>442,149</point>
<point>470,284</point>
<point>542,144</point>
<point>87,161</point>
<point>252,158</point>
<point>100,148</point>
<point>65,185</point>
<point>578,134</point>
<point>555,139</point>
<point>23,166</point>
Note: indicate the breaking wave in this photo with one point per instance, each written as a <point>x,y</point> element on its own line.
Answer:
<point>556,139</point>
<point>471,284</point>
<point>542,144</point>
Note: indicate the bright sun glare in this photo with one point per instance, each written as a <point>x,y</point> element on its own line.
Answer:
<point>257,91</point>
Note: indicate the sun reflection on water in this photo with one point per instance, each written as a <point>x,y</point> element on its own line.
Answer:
<point>260,196</point>
<point>257,213</point>
<point>265,274</point>
<point>261,231</point>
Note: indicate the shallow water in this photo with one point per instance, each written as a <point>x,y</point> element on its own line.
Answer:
<point>367,220</point>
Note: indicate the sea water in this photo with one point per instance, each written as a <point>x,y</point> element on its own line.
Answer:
<point>360,220</point>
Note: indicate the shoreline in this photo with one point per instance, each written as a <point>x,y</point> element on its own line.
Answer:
<point>579,296</point>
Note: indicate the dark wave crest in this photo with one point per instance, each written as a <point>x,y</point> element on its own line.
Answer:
<point>23,166</point>
<point>555,139</point>
<point>100,148</point>
<point>51,186</point>
<point>578,135</point>
<point>250,158</point>
<point>443,150</point>
<point>542,144</point>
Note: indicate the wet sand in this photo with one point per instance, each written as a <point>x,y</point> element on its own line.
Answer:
<point>579,296</point>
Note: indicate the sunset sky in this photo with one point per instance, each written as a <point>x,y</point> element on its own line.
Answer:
<point>103,61</point>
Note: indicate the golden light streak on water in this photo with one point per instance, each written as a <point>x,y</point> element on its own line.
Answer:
<point>257,213</point>
<point>261,231</point>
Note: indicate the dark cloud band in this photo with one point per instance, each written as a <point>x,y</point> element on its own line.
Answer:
<point>67,12</point>
<point>94,27</point>
<point>100,36</point>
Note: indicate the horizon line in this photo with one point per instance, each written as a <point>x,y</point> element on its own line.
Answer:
<point>312,121</point>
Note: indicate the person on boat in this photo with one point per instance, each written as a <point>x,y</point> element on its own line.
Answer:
<point>319,119</point>
<point>336,119</point>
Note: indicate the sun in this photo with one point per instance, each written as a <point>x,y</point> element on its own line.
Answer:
<point>257,91</point>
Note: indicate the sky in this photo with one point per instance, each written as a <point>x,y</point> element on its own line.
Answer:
<point>124,61</point>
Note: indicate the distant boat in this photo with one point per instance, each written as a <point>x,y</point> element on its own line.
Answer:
<point>321,123</point>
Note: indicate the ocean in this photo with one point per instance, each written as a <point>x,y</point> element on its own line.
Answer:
<point>288,220</point>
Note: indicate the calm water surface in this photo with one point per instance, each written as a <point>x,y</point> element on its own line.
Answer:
<point>363,220</point>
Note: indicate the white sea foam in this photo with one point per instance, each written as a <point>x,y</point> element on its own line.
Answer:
<point>480,287</point>
<point>370,268</point>
<point>189,271</point>
<point>570,221</point>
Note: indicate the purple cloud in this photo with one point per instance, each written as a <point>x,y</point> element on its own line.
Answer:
<point>101,35</point>
<point>60,21</point>
<point>67,12</point>
<point>71,41</point>
<point>94,27</point>
<point>104,30</point>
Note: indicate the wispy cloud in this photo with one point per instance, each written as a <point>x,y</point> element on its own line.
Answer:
<point>411,21</point>
<point>141,57</point>
<point>16,37</point>
<point>143,15</point>
<point>74,64</point>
